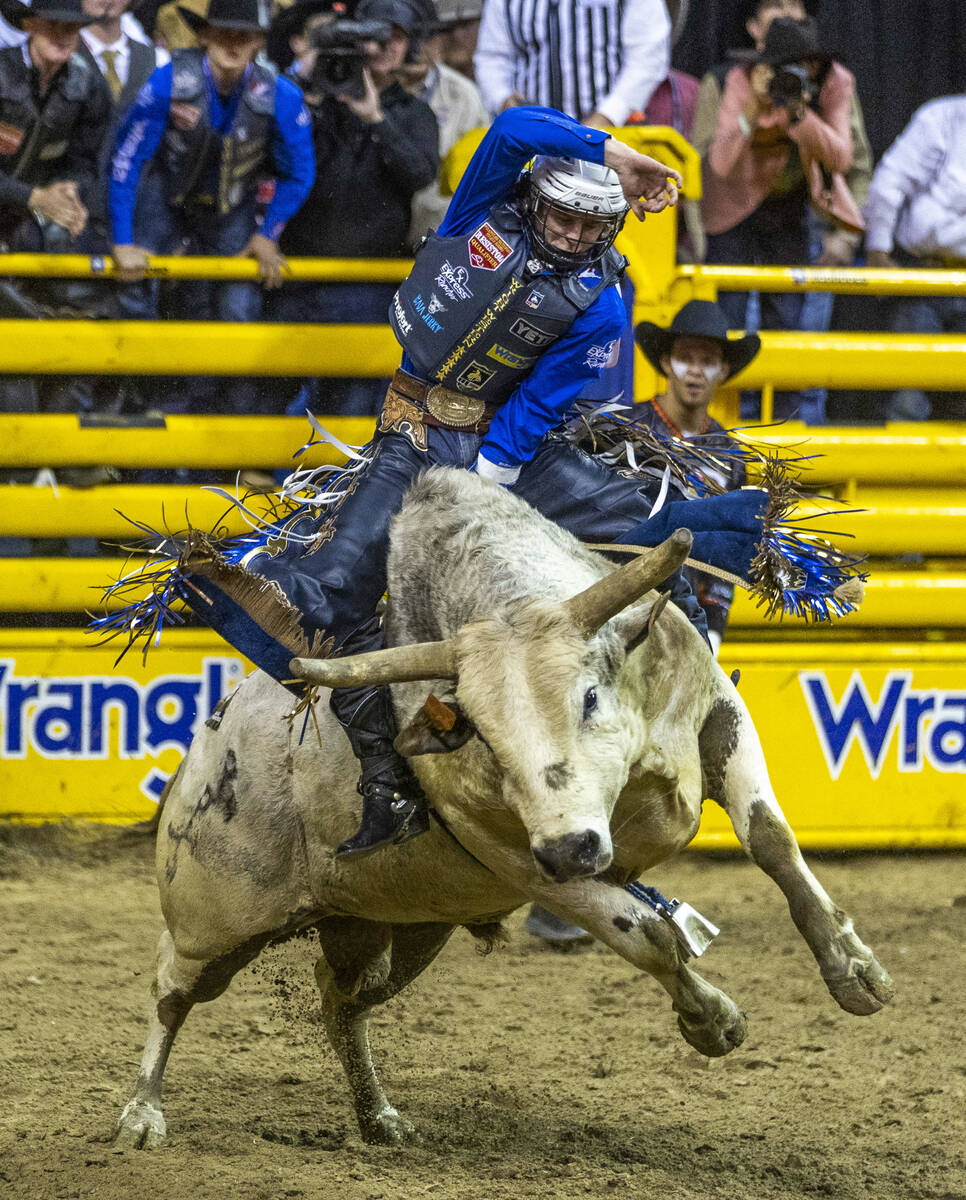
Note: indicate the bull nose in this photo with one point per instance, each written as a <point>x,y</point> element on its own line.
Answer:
<point>572,856</point>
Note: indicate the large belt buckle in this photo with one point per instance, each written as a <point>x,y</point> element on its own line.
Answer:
<point>453,408</point>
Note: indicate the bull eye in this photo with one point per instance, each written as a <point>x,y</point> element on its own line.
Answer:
<point>590,702</point>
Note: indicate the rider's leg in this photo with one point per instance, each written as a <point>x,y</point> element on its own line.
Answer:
<point>393,804</point>
<point>332,574</point>
<point>596,504</point>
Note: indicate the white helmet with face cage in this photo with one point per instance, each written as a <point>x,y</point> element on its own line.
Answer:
<point>565,188</point>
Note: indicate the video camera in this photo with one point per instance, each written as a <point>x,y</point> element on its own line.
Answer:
<point>342,56</point>
<point>791,84</point>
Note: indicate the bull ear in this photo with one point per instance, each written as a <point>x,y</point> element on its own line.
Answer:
<point>634,628</point>
<point>437,728</point>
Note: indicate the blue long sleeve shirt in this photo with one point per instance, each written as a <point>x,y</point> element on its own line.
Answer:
<point>140,133</point>
<point>591,345</point>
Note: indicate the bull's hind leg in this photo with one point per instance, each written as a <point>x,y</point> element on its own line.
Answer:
<point>737,778</point>
<point>181,983</point>
<point>358,972</point>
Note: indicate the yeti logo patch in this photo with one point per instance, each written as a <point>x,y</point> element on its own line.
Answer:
<point>530,334</point>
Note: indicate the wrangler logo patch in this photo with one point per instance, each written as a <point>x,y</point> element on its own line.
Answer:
<point>508,358</point>
<point>475,376</point>
<point>530,333</point>
<point>488,249</point>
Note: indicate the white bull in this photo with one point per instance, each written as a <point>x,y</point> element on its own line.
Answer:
<point>601,721</point>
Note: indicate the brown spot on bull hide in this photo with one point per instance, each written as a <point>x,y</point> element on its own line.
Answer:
<point>623,924</point>
<point>557,775</point>
<point>222,799</point>
<point>716,744</point>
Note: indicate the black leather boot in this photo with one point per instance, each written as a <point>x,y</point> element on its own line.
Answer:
<point>393,804</point>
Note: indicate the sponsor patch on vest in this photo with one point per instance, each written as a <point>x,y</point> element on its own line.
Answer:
<point>405,325</point>
<point>488,249</point>
<point>530,333</point>
<point>54,150</point>
<point>185,116</point>
<point>600,357</point>
<point>452,282</point>
<point>435,305</point>
<point>11,138</point>
<point>535,299</point>
<point>475,376</point>
<point>424,312</point>
<point>508,358</point>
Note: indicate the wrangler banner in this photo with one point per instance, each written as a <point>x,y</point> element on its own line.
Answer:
<point>865,743</point>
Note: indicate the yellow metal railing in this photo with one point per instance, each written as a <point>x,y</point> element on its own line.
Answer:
<point>894,600</point>
<point>705,282</point>
<point>225,270</point>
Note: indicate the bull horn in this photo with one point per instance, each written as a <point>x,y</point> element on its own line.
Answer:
<point>593,607</point>
<point>397,664</point>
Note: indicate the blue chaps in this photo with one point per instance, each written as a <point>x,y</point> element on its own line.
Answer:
<point>333,570</point>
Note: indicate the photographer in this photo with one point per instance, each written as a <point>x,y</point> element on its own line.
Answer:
<point>775,139</point>
<point>375,146</point>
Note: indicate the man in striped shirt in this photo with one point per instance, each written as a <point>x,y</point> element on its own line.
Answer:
<point>596,60</point>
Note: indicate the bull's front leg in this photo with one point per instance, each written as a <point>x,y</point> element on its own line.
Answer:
<point>737,778</point>
<point>709,1020</point>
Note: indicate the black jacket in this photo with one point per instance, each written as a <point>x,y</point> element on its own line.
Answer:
<point>56,137</point>
<point>366,177</point>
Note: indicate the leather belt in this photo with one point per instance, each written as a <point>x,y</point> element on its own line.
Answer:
<point>441,407</point>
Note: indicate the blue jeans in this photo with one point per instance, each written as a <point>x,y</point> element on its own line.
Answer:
<point>925,314</point>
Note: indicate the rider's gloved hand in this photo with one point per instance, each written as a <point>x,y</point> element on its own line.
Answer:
<point>504,476</point>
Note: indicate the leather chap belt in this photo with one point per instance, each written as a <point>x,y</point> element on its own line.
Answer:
<point>441,407</point>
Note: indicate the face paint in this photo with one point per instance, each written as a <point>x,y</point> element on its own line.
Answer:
<point>712,372</point>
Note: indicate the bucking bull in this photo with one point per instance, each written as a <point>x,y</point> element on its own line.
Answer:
<point>580,725</point>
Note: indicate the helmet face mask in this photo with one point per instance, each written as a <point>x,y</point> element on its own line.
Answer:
<point>574,210</point>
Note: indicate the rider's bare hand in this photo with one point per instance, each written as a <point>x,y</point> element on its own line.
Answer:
<point>649,186</point>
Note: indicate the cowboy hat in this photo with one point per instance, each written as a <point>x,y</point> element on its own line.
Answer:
<point>69,11</point>
<point>698,318</point>
<point>247,15</point>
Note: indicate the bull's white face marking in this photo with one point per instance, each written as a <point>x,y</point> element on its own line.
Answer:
<point>548,703</point>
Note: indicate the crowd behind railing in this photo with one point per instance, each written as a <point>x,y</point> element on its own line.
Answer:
<point>316,129</point>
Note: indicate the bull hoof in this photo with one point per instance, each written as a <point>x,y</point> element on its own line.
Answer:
<point>864,990</point>
<point>718,1034</point>
<point>140,1127</point>
<point>388,1128</point>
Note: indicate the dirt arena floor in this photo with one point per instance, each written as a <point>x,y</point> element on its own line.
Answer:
<point>530,1073</point>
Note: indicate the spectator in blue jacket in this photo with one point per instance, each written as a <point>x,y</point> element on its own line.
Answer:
<point>211,124</point>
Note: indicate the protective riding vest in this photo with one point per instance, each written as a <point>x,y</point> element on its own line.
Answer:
<point>34,140</point>
<point>193,152</point>
<point>478,310</point>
